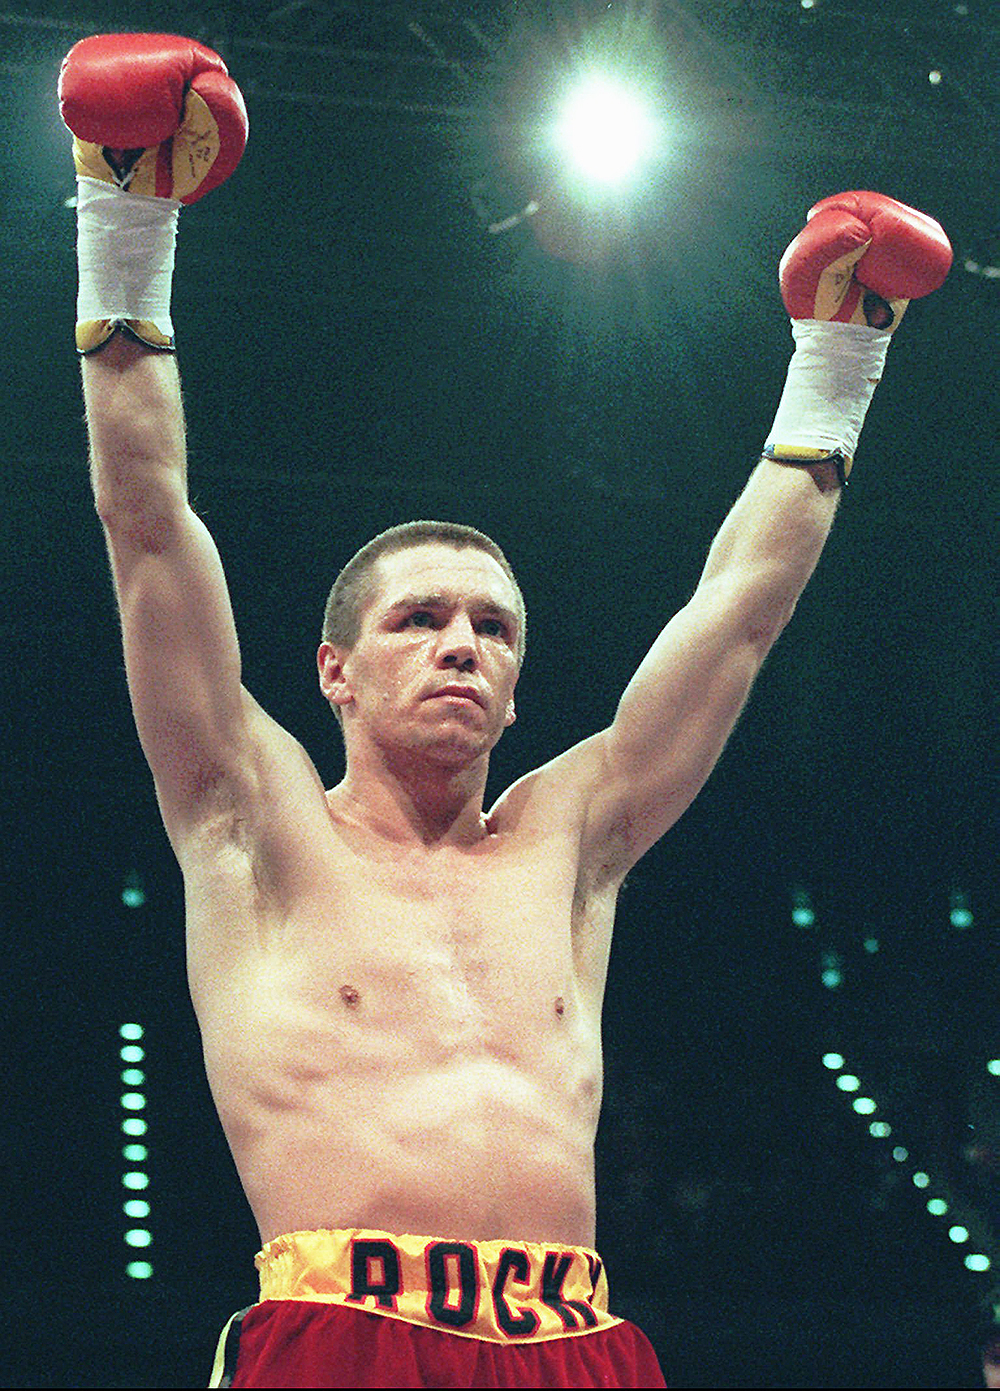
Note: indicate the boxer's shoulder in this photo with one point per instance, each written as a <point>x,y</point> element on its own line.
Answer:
<point>556,794</point>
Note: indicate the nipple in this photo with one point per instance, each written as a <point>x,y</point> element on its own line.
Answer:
<point>560,1006</point>
<point>349,995</point>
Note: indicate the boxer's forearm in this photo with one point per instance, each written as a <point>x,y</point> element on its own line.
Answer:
<point>135,421</point>
<point>768,546</point>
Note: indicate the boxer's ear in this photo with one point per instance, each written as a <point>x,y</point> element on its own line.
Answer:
<point>333,680</point>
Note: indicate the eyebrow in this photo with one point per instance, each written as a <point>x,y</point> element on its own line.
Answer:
<point>440,601</point>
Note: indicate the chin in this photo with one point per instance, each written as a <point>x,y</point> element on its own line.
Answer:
<point>457,747</point>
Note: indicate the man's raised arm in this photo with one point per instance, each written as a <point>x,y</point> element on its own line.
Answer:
<point>181,653</point>
<point>157,122</point>
<point>846,280</point>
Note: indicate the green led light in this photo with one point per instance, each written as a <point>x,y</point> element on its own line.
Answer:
<point>880,1130</point>
<point>993,1067</point>
<point>131,1032</point>
<point>132,1053</point>
<point>832,978</point>
<point>135,1154</point>
<point>135,1181</point>
<point>136,1207</point>
<point>133,894</point>
<point>134,1101</point>
<point>920,1179</point>
<point>937,1207</point>
<point>864,1105</point>
<point>976,1261</point>
<point>139,1270</point>
<point>833,1061</point>
<point>134,1125</point>
<point>960,914</point>
<point>847,1082</point>
<point>802,909</point>
<point>871,945</point>
<point>958,1234</point>
<point>133,1077</point>
<point>900,1153</point>
<point>138,1236</point>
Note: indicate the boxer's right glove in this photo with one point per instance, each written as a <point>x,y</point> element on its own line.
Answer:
<point>158,122</point>
<point>846,280</point>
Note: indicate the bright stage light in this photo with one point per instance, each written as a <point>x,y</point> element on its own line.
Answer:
<point>605,130</point>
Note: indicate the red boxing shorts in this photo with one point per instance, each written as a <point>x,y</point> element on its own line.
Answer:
<point>366,1308</point>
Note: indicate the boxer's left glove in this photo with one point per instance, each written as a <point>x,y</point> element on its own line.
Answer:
<point>846,280</point>
<point>157,122</point>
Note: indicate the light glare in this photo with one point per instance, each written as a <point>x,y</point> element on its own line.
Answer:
<point>604,130</point>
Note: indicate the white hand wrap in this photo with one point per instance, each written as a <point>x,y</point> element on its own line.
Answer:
<point>125,253</point>
<point>831,380</point>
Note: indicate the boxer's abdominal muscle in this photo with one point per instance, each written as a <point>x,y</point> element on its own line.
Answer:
<point>412,1043</point>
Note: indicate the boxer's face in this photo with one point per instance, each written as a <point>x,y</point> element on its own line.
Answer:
<point>438,616</point>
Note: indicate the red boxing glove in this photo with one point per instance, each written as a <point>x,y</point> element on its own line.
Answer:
<point>860,259</point>
<point>154,114</point>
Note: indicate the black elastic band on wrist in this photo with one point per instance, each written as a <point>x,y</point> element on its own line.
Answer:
<point>802,458</point>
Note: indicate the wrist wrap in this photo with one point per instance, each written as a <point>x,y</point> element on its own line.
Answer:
<point>125,255</point>
<point>830,383</point>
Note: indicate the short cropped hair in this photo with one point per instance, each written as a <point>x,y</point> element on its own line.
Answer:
<point>354,586</point>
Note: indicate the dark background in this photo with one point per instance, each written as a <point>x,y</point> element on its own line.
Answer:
<point>358,350</point>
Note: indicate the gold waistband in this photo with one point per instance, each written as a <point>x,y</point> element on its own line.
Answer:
<point>503,1291</point>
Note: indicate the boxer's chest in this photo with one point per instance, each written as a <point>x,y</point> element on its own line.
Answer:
<point>462,934</point>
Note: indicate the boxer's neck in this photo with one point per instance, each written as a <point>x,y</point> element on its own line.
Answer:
<point>413,803</point>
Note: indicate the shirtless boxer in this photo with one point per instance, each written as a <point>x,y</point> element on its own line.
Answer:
<point>400,994</point>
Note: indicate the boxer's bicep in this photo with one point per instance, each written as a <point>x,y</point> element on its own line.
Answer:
<point>672,724</point>
<point>182,659</point>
